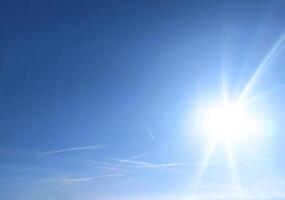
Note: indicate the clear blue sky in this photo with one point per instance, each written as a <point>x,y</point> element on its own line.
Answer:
<point>98,99</point>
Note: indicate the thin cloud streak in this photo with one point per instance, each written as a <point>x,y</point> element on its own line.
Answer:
<point>70,150</point>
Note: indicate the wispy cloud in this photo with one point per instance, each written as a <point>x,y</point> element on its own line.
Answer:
<point>57,151</point>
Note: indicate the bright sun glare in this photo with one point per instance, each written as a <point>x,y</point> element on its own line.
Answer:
<point>229,123</point>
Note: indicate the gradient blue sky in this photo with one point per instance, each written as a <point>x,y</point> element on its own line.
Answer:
<point>98,99</point>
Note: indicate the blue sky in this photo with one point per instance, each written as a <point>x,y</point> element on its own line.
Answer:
<point>100,99</point>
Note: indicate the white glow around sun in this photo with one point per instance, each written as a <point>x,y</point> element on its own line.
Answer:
<point>229,123</point>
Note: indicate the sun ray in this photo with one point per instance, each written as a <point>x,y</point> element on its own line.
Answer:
<point>261,68</point>
<point>233,169</point>
<point>202,169</point>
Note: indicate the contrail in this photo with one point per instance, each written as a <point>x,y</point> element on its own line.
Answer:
<point>109,175</point>
<point>139,155</point>
<point>134,164</point>
<point>94,162</point>
<point>117,165</point>
<point>67,180</point>
<point>150,133</point>
<point>205,163</point>
<point>70,149</point>
<point>142,164</point>
<point>261,68</point>
<point>122,183</point>
<point>75,180</point>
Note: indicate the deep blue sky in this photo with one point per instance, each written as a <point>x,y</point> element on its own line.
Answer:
<point>127,77</point>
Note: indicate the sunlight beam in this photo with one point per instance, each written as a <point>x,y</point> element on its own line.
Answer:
<point>202,169</point>
<point>233,169</point>
<point>261,68</point>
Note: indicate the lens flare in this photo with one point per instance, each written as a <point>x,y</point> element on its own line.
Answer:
<point>229,123</point>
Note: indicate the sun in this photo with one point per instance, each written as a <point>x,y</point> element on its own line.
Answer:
<point>225,123</point>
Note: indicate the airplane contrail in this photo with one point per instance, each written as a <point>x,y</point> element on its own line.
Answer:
<point>117,165</point>
<point>109,175</point>
<point>70,149</point>
<point>139,155</point>
<point>150,133</point>
<point>67,180</point>
<point>142,164</point>
<point>74,180</point>
<point>122,183</point>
